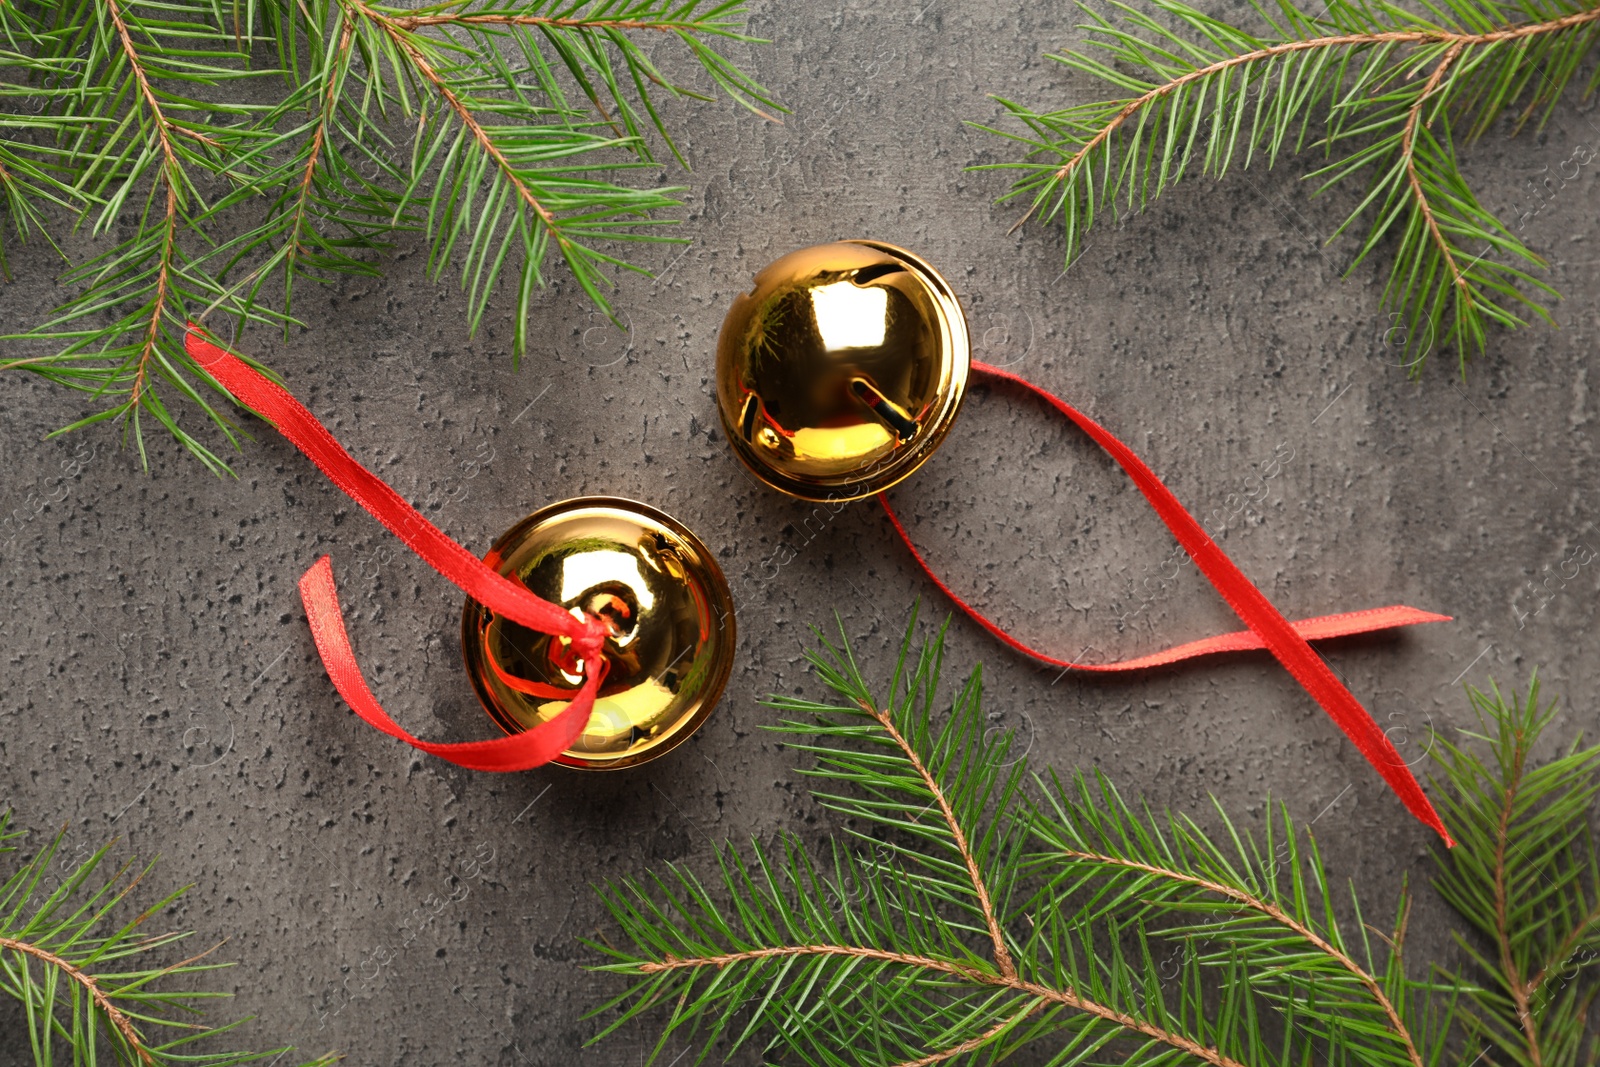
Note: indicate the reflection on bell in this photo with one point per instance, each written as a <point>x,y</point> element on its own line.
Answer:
<point>842,370</point>
<point>658,590</point>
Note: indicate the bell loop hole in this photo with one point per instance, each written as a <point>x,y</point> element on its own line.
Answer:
<point>616,616</point>
<point>890,413</point>
<point>615,609</point>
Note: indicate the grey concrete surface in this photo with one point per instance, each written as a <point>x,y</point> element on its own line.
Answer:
<point>159,685</point>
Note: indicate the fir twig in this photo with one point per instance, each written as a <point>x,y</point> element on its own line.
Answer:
<point>1279,916</point>
<point>1527,880</point>
<point>65,958</point>
<point>107,1007</point>
<point>1343,78</point>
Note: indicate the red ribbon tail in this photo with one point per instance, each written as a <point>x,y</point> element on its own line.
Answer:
<point>1316,628</point>
<point>432,545</point>
<point>518,752</point>
<point>1268,628</point>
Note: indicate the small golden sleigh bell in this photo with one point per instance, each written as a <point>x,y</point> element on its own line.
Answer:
<point>840,373</point>
<point>660,593</point>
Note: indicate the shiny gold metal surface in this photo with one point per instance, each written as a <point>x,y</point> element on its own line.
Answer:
<point>657,588</point>
<point>842,370</point>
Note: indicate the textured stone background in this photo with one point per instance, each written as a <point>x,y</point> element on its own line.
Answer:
<point>160,686</point>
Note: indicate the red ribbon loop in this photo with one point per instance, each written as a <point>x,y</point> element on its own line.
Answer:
<point>518,752</point>
<point>1267,627</point>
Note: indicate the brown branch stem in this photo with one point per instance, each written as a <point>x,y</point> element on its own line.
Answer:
<point>412,22</point>
<point>397,33</point>
<point>163,124</point>
<point>159,301</point>
<point>1002,955</point>
<point>969,1045</point>
<point>415,22</point>
<point>318,139</point>
<point>1346,40</point>
<point>169,175</point>
<point>123,1024</point>
<point>673,963</point>
<point>1521,990</point>
<point>1408,138</point>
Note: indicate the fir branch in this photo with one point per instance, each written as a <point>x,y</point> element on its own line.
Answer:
<point>1268,910</point>
<point>881,963</point>
<point>1408,152</point>
<point>1044,994</point>
<point>971,1044</point>
<point>294,245</point>
<point>129,130</point>
<point>413,22</point>
<point>137,110</point>
<point>1528,879</point>
<point>1173,869</point>
<point>23,184</point>
<point>1509,967</point>
<point>1347,71</point>
<point>68,930</point>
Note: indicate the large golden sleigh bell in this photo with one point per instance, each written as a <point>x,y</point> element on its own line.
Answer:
<point>659,591</point>
<point>842,370</point>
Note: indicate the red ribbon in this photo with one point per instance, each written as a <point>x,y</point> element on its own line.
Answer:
<point>1267,627</point>
<point>517,752</point>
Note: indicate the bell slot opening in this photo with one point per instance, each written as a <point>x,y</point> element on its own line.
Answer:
<point>747,417</point>
<point>890,413</point>
<point>867,275</point>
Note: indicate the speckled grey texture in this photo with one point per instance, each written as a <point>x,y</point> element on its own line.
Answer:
<point>160,684</point>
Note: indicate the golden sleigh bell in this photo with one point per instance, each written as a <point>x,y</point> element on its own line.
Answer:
<point>662,598</point>
<point>838,375</point>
